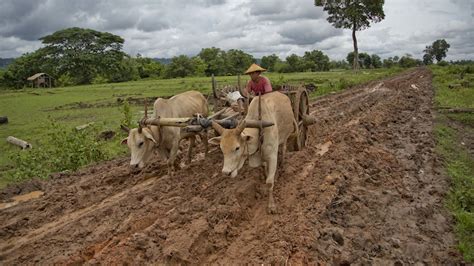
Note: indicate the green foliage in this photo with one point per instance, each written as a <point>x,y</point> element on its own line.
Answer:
<point>442,63</point>
<point>180,67</point>
<point>83,53</point>
<point>127,114</point>
<point>390,62</point>
<point>25,66</point>
<point>148,67</point>
<point>269,62</point>
<point>65,80</point>
<point>237,61</point>
<point>460,167</point>
<point>462,97</point>
<point>80,54</point>
<point>408,61</point>
<point>214,58</point>
<point>71,150</point>
<point>437,50</point>
<point>124,70</point>
<point>459,164</point>
<point>316,61</point>
<point>376,61</point>
<point>367,61</point>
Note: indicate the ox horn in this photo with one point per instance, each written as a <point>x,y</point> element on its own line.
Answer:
<point>241,126</point>
<point>145,116</point>
<point>140,127</point>
<point>217,127</point>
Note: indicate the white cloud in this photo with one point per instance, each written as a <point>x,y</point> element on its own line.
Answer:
<point>158,28</point>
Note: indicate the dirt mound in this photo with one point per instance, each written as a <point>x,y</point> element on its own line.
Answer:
<point>366,189</point>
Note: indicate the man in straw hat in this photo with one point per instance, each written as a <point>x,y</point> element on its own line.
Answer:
<point>258,84</point>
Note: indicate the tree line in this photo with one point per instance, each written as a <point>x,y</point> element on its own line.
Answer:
<point>76,56</point>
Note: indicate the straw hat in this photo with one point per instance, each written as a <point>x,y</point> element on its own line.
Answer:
<point>254,68</point>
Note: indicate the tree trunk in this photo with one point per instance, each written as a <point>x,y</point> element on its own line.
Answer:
<point>355,64</point>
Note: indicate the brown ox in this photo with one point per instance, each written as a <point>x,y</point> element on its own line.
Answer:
<point>241,143</point>
<point>142,141</point>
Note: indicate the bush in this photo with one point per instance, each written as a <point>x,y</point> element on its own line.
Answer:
<point>443,63</point>
<point>127,114</point>
<point>63,149</point>
<point>99,79</point>
<point>65,80</point>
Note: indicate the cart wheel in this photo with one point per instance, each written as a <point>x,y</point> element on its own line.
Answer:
<point>300,108</point>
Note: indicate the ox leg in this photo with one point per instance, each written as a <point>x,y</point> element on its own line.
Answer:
<point>271,171</point>
<point>206,144</point>
<point>192,142</point>
<point>283,153</point>
<point>172,158</point>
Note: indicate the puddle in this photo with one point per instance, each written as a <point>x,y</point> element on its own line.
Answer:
<point>323,148</point>
<point>21,198</point>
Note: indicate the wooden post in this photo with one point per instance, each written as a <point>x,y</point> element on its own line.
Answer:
<point>238,82</point>
<point>213,80</point>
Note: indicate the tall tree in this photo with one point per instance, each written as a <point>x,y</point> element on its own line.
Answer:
<point>353,14</point>
<point>84,53</point>
<point>376,61</point>
<point>214,58</point>
<point>180,67</point>
<point>269,62</point>
<point>438,50</point>
<point>316,61</point>
<point>237,61</point>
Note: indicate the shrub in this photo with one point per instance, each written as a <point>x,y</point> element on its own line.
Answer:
<point>63,149</point>
<point>65,80</point>
<point>127,114</point>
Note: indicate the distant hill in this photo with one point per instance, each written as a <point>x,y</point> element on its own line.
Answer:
<point>4,62</point>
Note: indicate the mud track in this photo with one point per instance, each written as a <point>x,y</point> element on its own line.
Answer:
<point>366,189</point>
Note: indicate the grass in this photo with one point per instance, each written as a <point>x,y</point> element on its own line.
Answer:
<point>32,111</point>
<point>459,163</point>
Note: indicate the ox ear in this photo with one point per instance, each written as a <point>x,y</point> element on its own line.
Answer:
<point>124,141</point>
<point>215,140</point>
<point>149,136</point>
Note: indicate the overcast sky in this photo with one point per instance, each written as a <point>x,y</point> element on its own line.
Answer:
<point>158,28</point>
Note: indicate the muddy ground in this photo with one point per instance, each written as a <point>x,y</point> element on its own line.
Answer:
<point>367,189</point>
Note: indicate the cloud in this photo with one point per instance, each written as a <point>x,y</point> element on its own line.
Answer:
<point>159,28</point>
<point>307,32</point>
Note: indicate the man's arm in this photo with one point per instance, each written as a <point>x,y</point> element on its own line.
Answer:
<point>246,90</point>
<point>268,85</point>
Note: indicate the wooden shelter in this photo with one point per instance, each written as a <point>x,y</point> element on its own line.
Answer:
<point>41,80</point>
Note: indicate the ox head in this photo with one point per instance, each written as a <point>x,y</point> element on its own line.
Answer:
<point>141,142</point>
<point>235,146</point>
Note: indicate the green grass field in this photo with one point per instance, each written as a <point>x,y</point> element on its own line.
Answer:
<point>31,111</point>
<point>450,130</point>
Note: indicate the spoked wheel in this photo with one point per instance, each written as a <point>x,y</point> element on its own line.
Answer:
<point>300,104</point>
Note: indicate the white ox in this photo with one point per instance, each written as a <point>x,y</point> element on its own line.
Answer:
<point>241,143</point>
<point>142,141</point>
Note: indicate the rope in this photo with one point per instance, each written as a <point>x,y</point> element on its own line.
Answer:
<point>260,129</point>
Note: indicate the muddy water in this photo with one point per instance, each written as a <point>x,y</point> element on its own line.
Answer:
<point>367,189</point>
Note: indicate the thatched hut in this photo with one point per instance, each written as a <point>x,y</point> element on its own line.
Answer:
<point>41,80</point>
